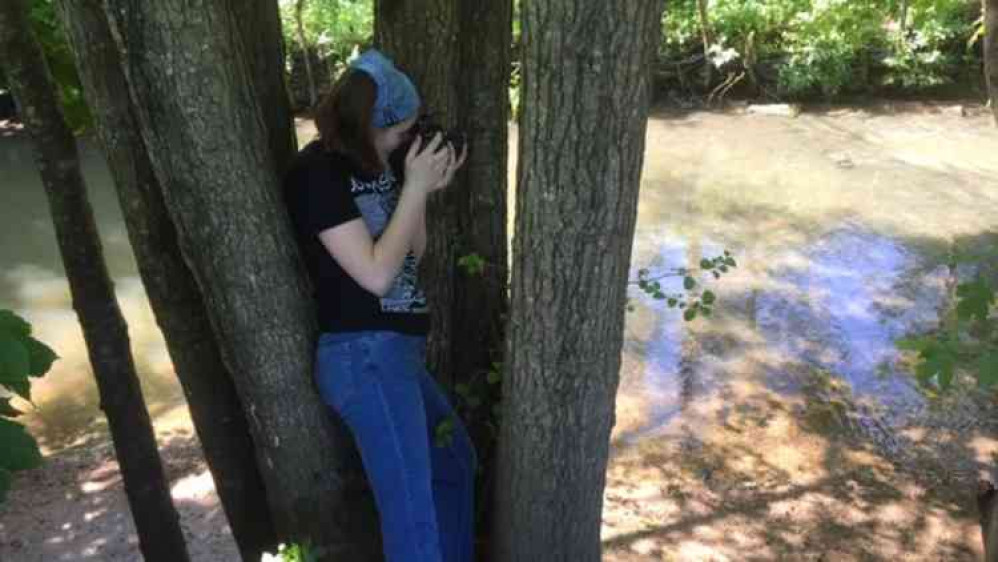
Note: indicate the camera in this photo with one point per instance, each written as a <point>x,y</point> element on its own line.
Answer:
<point>426,128</point>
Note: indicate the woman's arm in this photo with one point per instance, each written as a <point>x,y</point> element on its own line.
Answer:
<point>419,243</point>
<point>454,164</point>
<point>374,265</point>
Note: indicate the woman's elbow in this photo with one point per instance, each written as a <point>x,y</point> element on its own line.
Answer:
<point>379,285</point>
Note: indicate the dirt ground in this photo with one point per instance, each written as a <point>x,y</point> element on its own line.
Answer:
<point>781,430</point>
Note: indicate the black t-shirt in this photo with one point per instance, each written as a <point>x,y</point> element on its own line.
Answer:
<point>323,190</point>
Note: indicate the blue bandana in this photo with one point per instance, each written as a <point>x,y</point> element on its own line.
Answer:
<point>397,98</point>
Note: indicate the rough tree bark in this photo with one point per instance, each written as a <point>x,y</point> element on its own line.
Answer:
<point>104,329</point>
<point>458,54</point>
<point>173,294</point>
<point>421,37</point>
<point>586,92</point>
<point>480,301</point>
<point>991,52</point>
<point>199,87</point>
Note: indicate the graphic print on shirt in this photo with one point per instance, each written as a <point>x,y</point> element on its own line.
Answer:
<point>377,200</point>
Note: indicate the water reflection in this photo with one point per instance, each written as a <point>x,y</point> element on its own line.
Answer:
<point>32,282</point>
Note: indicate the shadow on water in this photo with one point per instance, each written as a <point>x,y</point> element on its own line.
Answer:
<point>789,423</point>
<point>790,416</point>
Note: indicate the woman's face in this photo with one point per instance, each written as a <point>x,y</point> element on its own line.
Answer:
<point>386,140</point>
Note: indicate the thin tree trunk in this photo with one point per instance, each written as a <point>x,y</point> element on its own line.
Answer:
<point>306,53</point>
<point>708,40</point>
<point>104,329</point>
<point>481,301</point>
<point>173,294</point>
<point>987,511</point>
<point>199,91</point>
<point>903,26</point>
<point>991,53</point>
<point>586,93</point>
<point>421,37</point>
<point>259,28</point>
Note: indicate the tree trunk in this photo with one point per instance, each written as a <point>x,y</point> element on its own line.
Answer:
<point>104,329</point>
<point>306,53</point>
<point>991,53</point>
<point>421,37</point>
<point>987,511</point>
<point>481,300</point>
<point>586,93</point>
<point>173,294</point>
<point>199,89</point>
<point>708,40</point>
<point>259,28</point>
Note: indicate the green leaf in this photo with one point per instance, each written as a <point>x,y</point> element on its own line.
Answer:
<point>717,275</point>
<point>40,357</point>
<point>731,262</point>
<point>673,302</point>
<point>14,324</point>
<point>14,366</point>
<point>709,297</point>
<point>7,410</point>
<point>723,268</point>
<point>706,264</point>
<point>707,310</point>
<point>473,264</point>
<point>987,370</point>
<point>463,390</point>
<point>689,283</point>
<point>690,315</point>
<point>975,300</point>
<point>20,452</point>
<point>912,344</point>
<point>444,432</point>
<point>939,364</point>
<point>494,377</point>
<point>474,402</point>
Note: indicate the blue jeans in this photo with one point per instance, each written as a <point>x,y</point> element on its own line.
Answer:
<point>377,382</point>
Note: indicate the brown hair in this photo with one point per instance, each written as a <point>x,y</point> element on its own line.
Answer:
<point>344,120</point>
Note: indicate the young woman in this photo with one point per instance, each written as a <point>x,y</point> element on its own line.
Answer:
<point>361,226</point>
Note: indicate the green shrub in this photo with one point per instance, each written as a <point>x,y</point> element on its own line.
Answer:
<point>22,357</point>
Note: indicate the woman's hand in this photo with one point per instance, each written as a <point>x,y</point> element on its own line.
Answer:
<point>425,168</point>
<point>453,165</point>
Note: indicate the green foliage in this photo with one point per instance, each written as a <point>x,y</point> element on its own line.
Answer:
<point>472,264</point>
<point>48,30</point>
<point>966,342</point>
<point>22,357</point>
<point>696,300</point>
<point>830,47</point>
<point>293,553</point>
<point>334,27</point>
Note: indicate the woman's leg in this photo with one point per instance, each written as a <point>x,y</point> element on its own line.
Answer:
<point>453,476</point>
<point>381,402</point>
